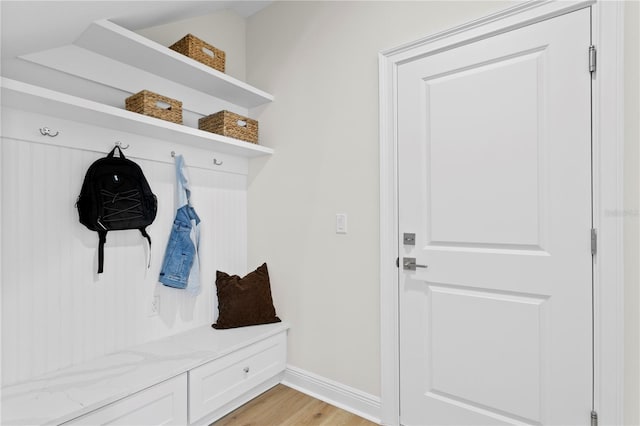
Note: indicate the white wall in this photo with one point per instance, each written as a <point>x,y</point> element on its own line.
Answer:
<point>224,30</point>
<point>632,213</point>
<point>320,61</point>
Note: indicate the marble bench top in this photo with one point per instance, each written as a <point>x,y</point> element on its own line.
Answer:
<point>65,394</point>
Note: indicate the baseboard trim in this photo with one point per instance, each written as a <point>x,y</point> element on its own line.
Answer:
<point>342,396</point>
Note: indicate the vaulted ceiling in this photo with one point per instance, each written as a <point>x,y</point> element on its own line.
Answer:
<point>33,26</point>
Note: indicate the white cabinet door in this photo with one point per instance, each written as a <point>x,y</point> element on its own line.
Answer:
<point>162,404</point>
<point>494,150</point>
<point>219,382</point>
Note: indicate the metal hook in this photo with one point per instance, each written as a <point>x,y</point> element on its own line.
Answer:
<point>216,162</point>
<point>45,131</point>
<point>119,144</point>
<point>173,154</point>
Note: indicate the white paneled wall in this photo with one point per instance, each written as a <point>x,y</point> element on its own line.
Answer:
<point>56,311</point>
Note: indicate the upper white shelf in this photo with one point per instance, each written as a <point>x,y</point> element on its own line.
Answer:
<point>23,96</point>
<point>113,41</point>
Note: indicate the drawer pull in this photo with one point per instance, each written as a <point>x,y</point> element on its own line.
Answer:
<point>246,369</point>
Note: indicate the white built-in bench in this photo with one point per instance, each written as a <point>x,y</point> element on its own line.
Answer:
<point>192,378</point>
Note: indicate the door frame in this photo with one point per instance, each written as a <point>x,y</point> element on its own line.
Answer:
<point>607,170</point>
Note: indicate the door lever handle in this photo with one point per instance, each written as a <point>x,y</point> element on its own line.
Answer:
<point>409,264</point>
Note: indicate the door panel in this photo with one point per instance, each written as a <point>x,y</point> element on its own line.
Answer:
<point>467,341</point>
<point>457,184</point>
<point>494,151</point>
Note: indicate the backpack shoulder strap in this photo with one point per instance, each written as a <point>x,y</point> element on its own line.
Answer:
<point>144,233</point>
<point>102,238</point>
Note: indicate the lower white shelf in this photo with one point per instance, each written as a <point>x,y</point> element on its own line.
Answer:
<point>121,388</point>
<point>27,97</point>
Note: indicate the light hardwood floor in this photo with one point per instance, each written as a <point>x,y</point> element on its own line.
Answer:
<point>283,406</point>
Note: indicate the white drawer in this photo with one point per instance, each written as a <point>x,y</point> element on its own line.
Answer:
<point>218,382</point>
<point>162,404</point>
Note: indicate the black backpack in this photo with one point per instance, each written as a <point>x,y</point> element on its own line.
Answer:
<point>115,195</point>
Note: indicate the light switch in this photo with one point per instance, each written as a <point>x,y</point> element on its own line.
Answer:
<point>341,223</point>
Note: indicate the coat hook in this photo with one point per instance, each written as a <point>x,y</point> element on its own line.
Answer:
<point>216,162</point>
<point>47,131</point>
<point>173,154</point>
<point>119,144</point>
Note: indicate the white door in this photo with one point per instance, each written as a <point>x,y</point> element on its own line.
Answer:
<point>494,152</point>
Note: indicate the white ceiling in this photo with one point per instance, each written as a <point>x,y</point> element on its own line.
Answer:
<point>33,26</point>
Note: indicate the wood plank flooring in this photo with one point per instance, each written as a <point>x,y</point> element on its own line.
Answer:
<point>283,406</point>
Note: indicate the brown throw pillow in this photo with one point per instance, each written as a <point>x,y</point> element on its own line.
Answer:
<point>244,301</point>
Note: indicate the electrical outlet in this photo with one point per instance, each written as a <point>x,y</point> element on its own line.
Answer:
<point>154,307</point>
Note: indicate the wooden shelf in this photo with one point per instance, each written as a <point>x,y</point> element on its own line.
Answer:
<point>108,39</point>
<point>23,96</point>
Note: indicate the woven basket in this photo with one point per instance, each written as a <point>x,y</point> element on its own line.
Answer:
<point>201,51</point>
<point>230,124</point>
<point>154,105</point>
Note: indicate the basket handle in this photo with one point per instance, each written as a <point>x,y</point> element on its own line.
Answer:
<point>242,123</point>
<point>163,105</point>
<point>208,52</point>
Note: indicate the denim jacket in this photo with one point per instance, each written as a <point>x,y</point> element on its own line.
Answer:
<point>181,265</point>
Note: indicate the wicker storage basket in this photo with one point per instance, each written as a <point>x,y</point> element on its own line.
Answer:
<point>154,105</point>
<point>230,124</point>
<point>201,51</point>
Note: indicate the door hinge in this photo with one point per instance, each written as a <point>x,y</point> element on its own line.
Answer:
<point>592,59</point>
<point>397,262</point>
<point>594,241</point>
<point>594,418</point>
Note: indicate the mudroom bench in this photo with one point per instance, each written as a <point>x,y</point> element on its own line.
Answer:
<point>192,378</point>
